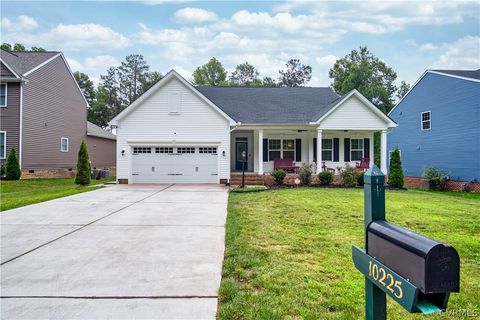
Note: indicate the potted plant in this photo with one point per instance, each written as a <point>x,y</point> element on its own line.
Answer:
<point>434,178</point>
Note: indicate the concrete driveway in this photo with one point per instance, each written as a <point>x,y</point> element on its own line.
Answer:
<point>122,252</point>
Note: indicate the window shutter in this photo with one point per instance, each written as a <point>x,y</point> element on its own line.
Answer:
<point>346,149</point>
<point>336,151</point>
<point>315,149</point>
<point>298,150</point>
<point>265,150</point>
<point>366,148</point>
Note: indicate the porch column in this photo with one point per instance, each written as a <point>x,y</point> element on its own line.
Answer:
<point>260,151</point>
<point>319,150</point>
<point>383,152</point>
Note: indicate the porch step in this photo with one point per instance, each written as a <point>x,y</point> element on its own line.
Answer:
<point>249,180</point>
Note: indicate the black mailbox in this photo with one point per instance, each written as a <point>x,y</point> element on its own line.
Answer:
<point>433,267</point>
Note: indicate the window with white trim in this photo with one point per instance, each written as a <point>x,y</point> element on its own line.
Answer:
<point>163,150</point>
<point>426,120</point>
<point>281,149</point>
<point>327,149</point>
<point>185,150</point>
<point>211,150</point>
<point>356,149</point>
<point>3,95</point>
<point>63,144</point>
<point>3,144</point>
<point>138,150</point>
<point>274,149</point>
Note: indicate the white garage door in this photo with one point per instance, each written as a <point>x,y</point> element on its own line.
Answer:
<point>174,165</point>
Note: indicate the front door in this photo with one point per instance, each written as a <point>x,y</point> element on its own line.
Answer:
<point>240,147</point>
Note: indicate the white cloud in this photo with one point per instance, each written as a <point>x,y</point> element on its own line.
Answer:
<point>5,23</point>
<point>27,23</point>
<point>101,62</point>
<point>70,37</point>
<point>74,64</point>
<point>463,53</point>
<point>428,47</point>
<point>327,60</point>
<point>192,15</point>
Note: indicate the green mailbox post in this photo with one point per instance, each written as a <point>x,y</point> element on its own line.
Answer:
<point>417,272</point>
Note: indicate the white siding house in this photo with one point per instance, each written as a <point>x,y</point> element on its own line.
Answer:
<point>177,133</point>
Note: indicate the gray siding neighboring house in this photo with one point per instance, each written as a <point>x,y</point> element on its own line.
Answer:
<point>45,109</point>
<point>101,146</point>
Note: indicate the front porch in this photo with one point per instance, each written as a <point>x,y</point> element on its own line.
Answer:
<point>332,149</point>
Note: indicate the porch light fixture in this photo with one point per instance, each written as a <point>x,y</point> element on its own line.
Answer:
<point>223,153</point>
<point>123,152</point>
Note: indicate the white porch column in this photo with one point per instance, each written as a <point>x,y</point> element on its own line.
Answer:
<point>319,150</point>
<point>383,152</point>
<point>310,136</point>
<point>260,151</point>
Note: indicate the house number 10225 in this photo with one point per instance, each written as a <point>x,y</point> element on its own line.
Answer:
<point>385,279</point>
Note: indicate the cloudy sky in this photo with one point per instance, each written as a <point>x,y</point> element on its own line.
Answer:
<point>410,36</point>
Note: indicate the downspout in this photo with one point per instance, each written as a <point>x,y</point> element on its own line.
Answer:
<point>20,138</point>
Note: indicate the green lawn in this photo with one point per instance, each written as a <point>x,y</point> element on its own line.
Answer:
<point>20,193</point>
<point>288,252</point>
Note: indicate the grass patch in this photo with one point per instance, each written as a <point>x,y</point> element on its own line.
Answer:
<point>288,252</point>
<point>20,193</point>
<point>249,189</point>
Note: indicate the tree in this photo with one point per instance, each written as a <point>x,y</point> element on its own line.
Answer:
<point>210,74</point>
<point>83,166</point>
<point>269,82</point>
<point>6,46</point>
<point>12,168</point>
<point>296,74</point>
<point>150,80</point>
<point>402,90</point>
<point>86,86</point>
<point>245,75</point>
<point>18,47</point>
<point>131,73</point>
<point>111,84</point>
<point>363,71</point>
<point>99,111</point>
<point>38,49</point>
<point>395,178</point>
<point>368,74</point>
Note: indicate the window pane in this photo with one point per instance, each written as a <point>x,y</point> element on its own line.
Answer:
<point>426,125</point>
<point>326,155</point>
<point>289,155</point>
<point>357,144</point>
<point>357,155</point>
<point>273,155</point>
<point>327,144</point>
<point>274,144</point>
<point>3,93</point>
<point>288,145</point>
<point>2,145</point>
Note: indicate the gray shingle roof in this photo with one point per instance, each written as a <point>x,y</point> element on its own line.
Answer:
<point>472,74</point>
<point>22,62</point>
<point>298,105</point>
<point>96,131</point>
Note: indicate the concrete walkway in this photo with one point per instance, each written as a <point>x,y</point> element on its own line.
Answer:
<point>122,252</point>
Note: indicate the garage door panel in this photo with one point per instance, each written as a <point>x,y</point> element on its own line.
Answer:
<point>175,168</point>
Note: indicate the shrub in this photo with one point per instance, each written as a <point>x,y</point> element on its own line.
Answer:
<point>436,177</point>
<point>360,178</point>
<point>12,168</point>
<point>83,166</point>
<point>325,177</point>
<point>2,170</point>
<point>279,175</point>
<point>305,174</point>
<point>349,176</point>
<point>395,178</point>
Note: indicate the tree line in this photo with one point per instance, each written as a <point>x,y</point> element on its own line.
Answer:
<point>121,85</point>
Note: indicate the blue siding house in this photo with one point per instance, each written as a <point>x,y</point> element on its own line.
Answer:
<point>439,124</point>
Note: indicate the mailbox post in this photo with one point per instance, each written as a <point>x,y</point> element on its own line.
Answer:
<point>417,272</point>
<point>374,208</point>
